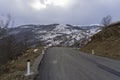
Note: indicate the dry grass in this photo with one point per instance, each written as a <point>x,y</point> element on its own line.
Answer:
<point>106,43</point>
<point>14,70</point>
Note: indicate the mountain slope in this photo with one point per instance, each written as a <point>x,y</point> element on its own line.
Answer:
<point>55,34</point>
<point>106,42</point>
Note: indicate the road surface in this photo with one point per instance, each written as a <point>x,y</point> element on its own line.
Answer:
<point>70,64</point>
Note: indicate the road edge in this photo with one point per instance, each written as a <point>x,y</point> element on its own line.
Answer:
<point>35,66</point>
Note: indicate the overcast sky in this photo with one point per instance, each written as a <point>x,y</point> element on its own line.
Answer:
<point>77,12</point>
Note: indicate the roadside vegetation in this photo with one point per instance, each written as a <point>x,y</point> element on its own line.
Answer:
<point>13,53</point>
<point>15,69</point>
<point>107,42</point>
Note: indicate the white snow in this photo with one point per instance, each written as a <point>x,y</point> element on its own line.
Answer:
<point>14,32</point>
<point>24,27</point>
<point>64,34</point>
<point>93,31</point>
<point>62,29</point>
<point>35,50</point>
<point>38,32</point>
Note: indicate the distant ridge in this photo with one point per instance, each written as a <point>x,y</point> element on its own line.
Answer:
<point>55,34</point>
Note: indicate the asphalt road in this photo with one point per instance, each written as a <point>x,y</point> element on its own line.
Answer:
<point>70,64</point>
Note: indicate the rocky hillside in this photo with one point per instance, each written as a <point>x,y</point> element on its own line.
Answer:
<point>55,34</point>
<point>16,41</point>
<point>106,42</point>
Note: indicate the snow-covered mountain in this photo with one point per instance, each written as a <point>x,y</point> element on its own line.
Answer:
<point>55,34</point>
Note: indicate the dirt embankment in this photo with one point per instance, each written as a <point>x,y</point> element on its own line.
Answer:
<point>105,43</point>
<point>15,70</point>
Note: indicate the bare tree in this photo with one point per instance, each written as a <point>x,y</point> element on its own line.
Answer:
<point>5,22</point>
<point>8,21</point>
<point>10,48</point>
<point>106,20</point>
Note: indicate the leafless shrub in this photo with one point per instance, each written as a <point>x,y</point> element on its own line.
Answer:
<point>106,20</point>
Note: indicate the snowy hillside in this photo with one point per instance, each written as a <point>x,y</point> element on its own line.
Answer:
<point>56,34</point>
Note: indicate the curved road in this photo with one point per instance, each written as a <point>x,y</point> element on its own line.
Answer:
<point>69,64</point>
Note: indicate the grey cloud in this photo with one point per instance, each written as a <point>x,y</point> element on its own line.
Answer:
<point>82,12</point>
